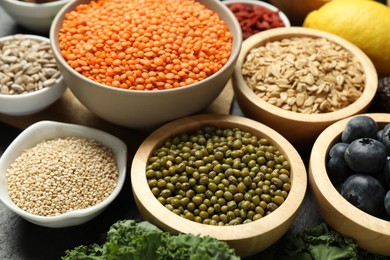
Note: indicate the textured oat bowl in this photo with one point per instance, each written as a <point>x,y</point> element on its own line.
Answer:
<point>302,128</point>
<point>48,130</point>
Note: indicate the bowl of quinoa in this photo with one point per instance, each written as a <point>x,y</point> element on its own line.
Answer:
<point>57,174</point>
<point>300,80</point>
<point>140,64</point>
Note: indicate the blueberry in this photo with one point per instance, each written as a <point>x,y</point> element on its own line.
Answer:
<point>379,135</point>
<point>386,173</point>
<point>338,149</point>
<point>385,137</point>
<point>366,155</point>
<point>387,202</point>
<point>359,127</point>
<point>364,192</point>
<point>338,169</point>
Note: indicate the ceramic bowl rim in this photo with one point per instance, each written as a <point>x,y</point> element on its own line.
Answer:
<point>35,5</point>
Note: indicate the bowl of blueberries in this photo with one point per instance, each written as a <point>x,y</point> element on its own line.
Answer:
<point>349,175</point>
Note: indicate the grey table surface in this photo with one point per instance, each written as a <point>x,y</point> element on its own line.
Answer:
<point>20,239</point>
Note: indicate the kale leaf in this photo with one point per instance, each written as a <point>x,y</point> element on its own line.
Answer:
<point>139,240</point>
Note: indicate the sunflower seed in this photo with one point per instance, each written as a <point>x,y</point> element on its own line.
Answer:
<point>26,65</point>
<point>304,74</point>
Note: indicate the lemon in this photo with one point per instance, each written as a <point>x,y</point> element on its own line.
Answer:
<point>364,23</point>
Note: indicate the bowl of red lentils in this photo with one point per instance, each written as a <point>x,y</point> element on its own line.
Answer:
<point>224,176</point>
<point>140,64</point>
<point>256,16</point>
<point>30,80</point>
<point>299,81</point>
<point>58,174</point>
<point>34,15</point>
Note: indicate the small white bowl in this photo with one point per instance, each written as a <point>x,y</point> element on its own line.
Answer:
<point>36,17</point>
<point>283,17</point>
<point>42,130</point>
<point>33,102</point>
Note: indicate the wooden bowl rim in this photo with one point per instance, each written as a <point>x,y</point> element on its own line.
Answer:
<point>318,177</point>
<point>263,37</point>
<point>265,225</point>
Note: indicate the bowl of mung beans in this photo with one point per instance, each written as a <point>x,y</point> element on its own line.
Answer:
<point>298,81</point>
<point>224,176</point>
<point>59,175</point>
<point>140,64</point>
<point>35,16</point>
<point>30,80</point>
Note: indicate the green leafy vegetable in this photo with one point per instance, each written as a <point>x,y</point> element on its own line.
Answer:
<point>136,240</point>
<point>318,243</point>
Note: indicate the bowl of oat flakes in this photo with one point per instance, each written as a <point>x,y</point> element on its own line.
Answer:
<point>58,174</point>
<point>29,78</point>
<point>300,80</point>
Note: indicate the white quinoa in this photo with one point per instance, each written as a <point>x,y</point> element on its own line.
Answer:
<point>60,175</point>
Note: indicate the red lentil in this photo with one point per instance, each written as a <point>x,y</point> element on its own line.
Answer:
<point>254,18</point>
<point>136,45</point>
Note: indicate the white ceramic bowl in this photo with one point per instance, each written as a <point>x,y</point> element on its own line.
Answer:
<point>33,102</point>
<point>146,109</point>
<point>266,5</point>
<point>42,130</point>
<point>35,17</point>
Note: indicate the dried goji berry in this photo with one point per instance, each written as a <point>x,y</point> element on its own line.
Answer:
<point>254,18</point>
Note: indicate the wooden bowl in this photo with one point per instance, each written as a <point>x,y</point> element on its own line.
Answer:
<point>371,233</point>
<point>247,239</point>
<point>300,129</point>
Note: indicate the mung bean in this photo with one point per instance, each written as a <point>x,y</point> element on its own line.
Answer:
<point>231,177</point>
